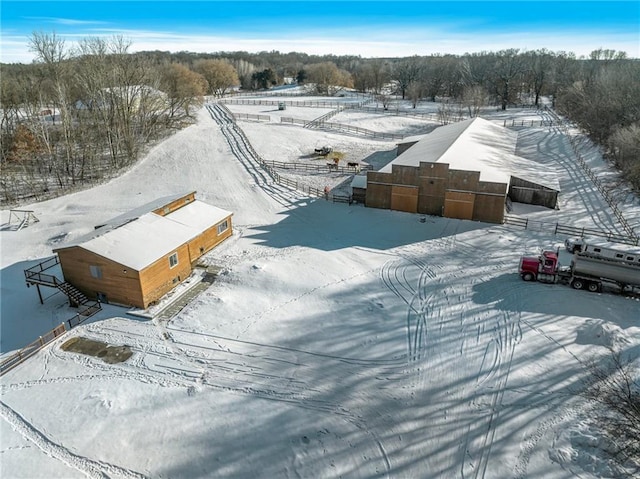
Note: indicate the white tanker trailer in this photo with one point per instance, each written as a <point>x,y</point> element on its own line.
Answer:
<point>587,271</point>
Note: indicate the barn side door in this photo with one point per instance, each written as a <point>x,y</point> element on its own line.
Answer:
<point>458,205</point>
<point>404,198</point>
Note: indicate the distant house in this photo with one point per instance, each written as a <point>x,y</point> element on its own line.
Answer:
<point>464,170</point>
<point>133,98</point>
<point>138,257</point>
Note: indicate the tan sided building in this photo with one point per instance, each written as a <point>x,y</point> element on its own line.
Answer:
<point>138,257</point>
<point>464,170</point>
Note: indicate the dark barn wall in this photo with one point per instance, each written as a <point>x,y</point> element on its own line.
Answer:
<point>434,189</point>
<point>402,147</point>
<point>489,208</point>
<point>523,191</point>
<point>434,179</point>
<point>490,201</point>
<point>462,180</point>
<point>378,190</point>
<point>359,195</point>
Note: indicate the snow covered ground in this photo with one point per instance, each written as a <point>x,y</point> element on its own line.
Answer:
<point>338,341</point>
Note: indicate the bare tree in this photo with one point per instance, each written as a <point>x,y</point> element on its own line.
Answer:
<point>508,67</point>
<point>613,385</point>
<point>407,72</point>
<point>538,71</point>
<point>474,97</point>
<point>50,51</point>
<point>414,91</point>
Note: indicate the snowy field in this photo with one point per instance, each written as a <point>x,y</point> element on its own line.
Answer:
<point>338,341</point>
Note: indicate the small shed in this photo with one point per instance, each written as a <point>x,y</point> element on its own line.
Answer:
<point>138,257</point>
<point>359,188</point>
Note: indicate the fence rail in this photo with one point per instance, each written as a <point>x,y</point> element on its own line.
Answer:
<point>530,123</point>
<point>25,353</point>
<point>35,273</point>
<point>595,180</point>
<point>304,103</point>
<point>358,131</point>
<point>559,229</point>
<point>324,168</point>
<point>249,116</point>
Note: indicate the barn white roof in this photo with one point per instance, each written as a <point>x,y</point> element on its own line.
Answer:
<point>140,241</point>
<point>476,145</point>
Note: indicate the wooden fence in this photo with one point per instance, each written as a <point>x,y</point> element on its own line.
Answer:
<point>249,116</point>
<point>574,231</point>
<point>271,166</point>
<point>305,103</point>
<point>322,168</point>
<point>602,188</point>
<point>25,353</point>
<point>530,123</point>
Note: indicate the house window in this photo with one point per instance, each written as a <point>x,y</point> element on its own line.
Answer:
<point>173,260</point>
<point>96,271</point>
<point>222,227</point>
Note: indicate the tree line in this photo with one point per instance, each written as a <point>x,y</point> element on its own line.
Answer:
<point>76,115</point>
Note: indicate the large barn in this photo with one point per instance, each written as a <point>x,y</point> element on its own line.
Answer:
<point>138,257</point>
<point>464,170</point>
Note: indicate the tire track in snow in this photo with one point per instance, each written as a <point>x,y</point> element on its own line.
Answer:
<point>89,467</point>
<point>256,373</point>
<point>428,298</point>
<point>244,153</point>
<point>600,211</point>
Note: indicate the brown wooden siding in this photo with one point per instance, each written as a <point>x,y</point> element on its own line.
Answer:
<point>208,240</point>
<point>433,181</point>
<point>159,278</point>
<point>489,208</point>
<point>526,192</point>
<point>119,283</point>
<point>458,205</point>
<point>359,195</point>
<point>176,204</point>
<point>404,175</point>
<point>404,198</point>
<point>462,180</point>
<point>378,195</point>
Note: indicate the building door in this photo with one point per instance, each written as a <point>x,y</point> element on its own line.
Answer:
<point>458,205</point>
<point>404,198</point>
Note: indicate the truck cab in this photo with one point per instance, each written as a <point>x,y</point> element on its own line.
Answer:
<point>543,267</point>
<point>574,245</point>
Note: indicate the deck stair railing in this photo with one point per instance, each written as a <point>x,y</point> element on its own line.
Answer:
<point>36,276</point>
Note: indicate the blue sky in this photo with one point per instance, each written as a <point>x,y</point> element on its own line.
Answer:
<point>365,28</point>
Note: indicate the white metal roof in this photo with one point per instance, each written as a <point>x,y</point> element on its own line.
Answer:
<point>199,215</point>
<point>140,241</point>
<point>359,181</point>
<point>476,145</point>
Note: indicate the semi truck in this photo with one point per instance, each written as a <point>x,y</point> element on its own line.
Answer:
<point>587,271</point>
